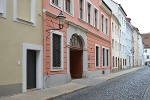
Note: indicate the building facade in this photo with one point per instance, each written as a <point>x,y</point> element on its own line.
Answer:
<point>145,38</point>
<point>83,48</point>
<point>129,41</point>
<point>119,12</point>
<point>115,28</point>
<point>141,51</point>
<point>21,43</point>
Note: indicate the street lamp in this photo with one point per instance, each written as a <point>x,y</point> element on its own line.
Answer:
<point>61,20</point>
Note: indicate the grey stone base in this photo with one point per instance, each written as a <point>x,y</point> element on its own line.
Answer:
<point>55,80</point>
<point>10,89</point>
<point>97,73</point>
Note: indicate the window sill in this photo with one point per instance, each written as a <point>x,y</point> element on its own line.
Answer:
<point>81,20</point>
<point>96,28</point>
<point>89,24</point>
<point>56,6</point>
<point>69,13</point>
<point>24,21</point>
<point>56,69</point>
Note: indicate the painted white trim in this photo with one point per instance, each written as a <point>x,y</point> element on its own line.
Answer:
<point>97,45</point>
<point>3,8</point>
<point>106,57</point>
<point>39,65</point>
<point>32,22</point>
<point>71,13</point>
<point>59,4</point>
<point>83,15</point>
<point>91,12</point>
<point>62,51</point>
<point>97,17</point>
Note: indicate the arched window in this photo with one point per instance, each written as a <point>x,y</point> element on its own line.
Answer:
<point>75,42</point>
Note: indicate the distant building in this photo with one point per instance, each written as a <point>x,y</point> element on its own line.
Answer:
<point>146,40</point>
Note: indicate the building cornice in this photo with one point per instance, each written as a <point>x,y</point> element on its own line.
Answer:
<point>105,7</point>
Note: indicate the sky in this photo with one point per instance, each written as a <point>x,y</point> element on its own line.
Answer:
<point>139,12</point>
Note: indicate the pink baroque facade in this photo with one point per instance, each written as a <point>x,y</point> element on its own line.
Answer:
<point>83,47</point>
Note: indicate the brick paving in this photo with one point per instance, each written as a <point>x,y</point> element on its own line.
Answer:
<point>131,86</point>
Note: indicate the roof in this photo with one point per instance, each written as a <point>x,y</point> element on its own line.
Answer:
<point>106,5</point>
<point>146,38</point>
<point>120,7</point>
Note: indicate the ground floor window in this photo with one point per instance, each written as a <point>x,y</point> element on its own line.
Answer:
<point>116,61</point>
<point>97,57</point>
<point>105,57</point>
<point>113,62</point>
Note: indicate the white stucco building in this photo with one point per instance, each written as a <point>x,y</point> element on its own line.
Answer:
<point>121,15</point>
<point>115,27</point>
<point>129,42</point>
<point>141,51</point>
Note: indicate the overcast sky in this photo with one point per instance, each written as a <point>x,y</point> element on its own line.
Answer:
<point>139,12</point>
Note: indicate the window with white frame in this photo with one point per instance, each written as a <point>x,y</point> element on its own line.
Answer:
<point>113,43</point>
<point>116,44</point>
<point>115,30</point>
<point>105,57</point>
<point>69,7</point>
<point>120,33</point>
<point>106,26</point>
<point>95,18</point>
<point>89,13</point>
<point>97,55</point>
<point>81,9</point>
<point>112,26</point>
<point>3,8</point>
<point>56,3</point>
<point>56,51</point>
<point>24,11</point>
<point>102,22</point>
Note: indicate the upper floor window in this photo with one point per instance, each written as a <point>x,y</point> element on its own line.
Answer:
<point>56,3</point>
<point>147,57</point>
<point>115,29</point>
<point>102,21</point>
<point>89,13</point>
<point>112,26</point>
<point>96,18</point>
<point>81,8</point>
<point>113,43</point>
<point>106,23</point>
<point>145,51</point>
<point>3,8</point>
<point>69,7</point>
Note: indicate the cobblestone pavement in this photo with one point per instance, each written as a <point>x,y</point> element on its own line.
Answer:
<point>131,86</point>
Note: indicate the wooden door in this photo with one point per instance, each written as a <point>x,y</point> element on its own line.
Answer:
<point>31,69</point>
<point>76,68</point>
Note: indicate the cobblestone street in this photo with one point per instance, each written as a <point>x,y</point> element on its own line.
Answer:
<point>131,86</point>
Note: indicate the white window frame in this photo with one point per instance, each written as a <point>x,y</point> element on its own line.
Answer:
<point>107,26</point>
<point>105,57</point>
<point>91,11</point>
<point>95,8</point>
<point>113,43</point>
<point>32,22</point>
<point>59,6</point>
<point>83,11</point>
<point>113,26</point>
<point>3,8</point>
<point>71,13</point>
<point>102,22</point>
<point>51,48</point>
<point>97,45</point>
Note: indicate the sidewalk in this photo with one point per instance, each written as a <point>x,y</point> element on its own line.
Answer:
<point>73,86</point>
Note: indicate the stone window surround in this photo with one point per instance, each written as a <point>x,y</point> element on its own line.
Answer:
<point>97,45</point>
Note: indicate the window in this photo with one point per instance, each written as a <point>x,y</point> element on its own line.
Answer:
<point>56,51</point>
<point>69,7</point>
<point>120,33</point>
<point>147,57</point>
<point>113,43</point>
<point>112,26</point>
<point>122,20</point>
<point>105,57</point>
<point>145,51</point>
<point>89,13</point>
<point>97,55</point>
<point>116,45</point>
<point>116,62</point>
<point>24,11</point>
<point>3,8</point>
<point>113,62</point>
<point>102,21</point>
<point>81,8</point>
<point>115,30</point>
<point>106,23</point>
<point>96,18</point>
<point>56,3</point>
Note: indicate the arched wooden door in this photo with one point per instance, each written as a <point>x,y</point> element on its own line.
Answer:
<point>76,50</point>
